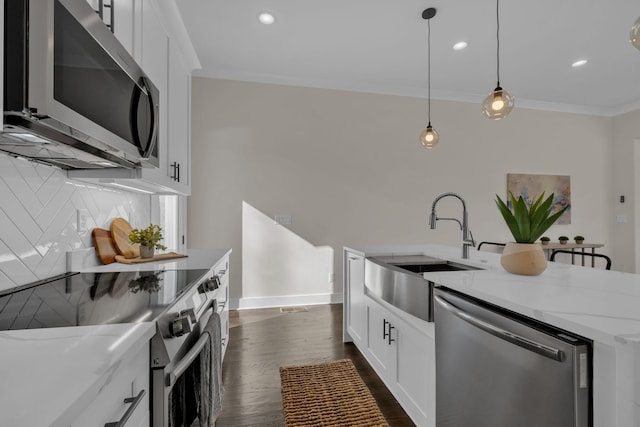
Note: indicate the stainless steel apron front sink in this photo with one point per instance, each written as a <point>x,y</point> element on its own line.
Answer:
<point>398,280</point>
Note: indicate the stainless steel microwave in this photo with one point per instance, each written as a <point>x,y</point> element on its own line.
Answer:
<point>73,96</point>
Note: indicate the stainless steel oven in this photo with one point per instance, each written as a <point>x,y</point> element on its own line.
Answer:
<point>186,356</point>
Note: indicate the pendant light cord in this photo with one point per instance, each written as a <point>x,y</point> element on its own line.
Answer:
<point>498,40</point>
<point>429,69</point>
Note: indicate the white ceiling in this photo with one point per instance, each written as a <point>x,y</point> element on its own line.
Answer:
<point>380,46</point>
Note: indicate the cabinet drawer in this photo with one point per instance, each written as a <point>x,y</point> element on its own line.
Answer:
<point>128,379</point>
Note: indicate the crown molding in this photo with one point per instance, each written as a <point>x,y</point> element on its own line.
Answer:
<point>408,91</point>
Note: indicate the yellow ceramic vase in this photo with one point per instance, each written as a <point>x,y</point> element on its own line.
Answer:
<point>523,258</point>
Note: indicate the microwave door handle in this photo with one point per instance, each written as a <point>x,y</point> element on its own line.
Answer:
<point>153,139</point>
<point>536,347</point>
<point>145,151</point>
<point>133,117</point>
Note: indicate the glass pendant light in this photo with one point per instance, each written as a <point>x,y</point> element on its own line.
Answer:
<point>499,103</point>
<point>429,137</point>
<point>634,34</point>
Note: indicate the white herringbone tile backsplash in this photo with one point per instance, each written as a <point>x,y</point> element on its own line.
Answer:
<point>38,218</point>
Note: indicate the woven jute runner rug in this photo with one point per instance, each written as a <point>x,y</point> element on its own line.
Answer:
<point>328,394</point>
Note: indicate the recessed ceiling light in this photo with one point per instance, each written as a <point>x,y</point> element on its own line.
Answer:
<point>579,63</point>
<point>460,45</point>
<point>266,18</point>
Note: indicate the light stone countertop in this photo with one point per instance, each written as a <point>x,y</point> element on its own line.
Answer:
<point>85,260</point>
<point>598,304</point>
<point>50,375</point>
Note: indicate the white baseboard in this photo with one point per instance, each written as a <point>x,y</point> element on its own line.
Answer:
<point>283,301</point>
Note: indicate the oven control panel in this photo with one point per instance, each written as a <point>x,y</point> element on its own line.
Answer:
<point>179,328</point>
<point>186,311</point>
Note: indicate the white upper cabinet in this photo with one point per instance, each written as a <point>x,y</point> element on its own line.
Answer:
<point>123,23</point>
<point>179,154</point>
<point>155,63</point>
<point>157,39</point>
<point>118,15</point>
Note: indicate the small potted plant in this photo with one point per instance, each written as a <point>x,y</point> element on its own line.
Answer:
<point>579,239</point>
<point>527,224</point>
<point>148,238</point>
<point>563,240</point>
<point>545,240</point>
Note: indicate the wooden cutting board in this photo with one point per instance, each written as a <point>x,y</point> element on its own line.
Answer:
<point>159,257</point>
<point>105,249</point>
<point>120,229</point>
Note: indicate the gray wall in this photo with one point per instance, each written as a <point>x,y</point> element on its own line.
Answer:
<point>349,169</point>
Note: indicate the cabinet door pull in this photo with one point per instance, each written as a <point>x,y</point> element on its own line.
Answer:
<point>176,171</point>
<point>390,340</point>
<point>385,334</point>
<point>101,6</point>
<point>134,401</point>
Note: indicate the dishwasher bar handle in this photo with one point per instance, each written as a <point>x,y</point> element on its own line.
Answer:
<point>536,347</point>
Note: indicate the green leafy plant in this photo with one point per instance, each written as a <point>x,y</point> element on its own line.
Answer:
<point>545,239</point>
<point>528,223</point>
<point>149,236</point>
<point>563,238</point>
<point>578,237</point>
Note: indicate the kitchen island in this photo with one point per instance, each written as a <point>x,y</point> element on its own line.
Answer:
<point>603,306</point>
<point>54,376</point>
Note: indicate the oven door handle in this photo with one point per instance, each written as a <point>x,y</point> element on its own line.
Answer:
<point>180,367</point>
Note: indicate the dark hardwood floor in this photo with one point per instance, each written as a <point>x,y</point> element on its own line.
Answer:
<point>261,341</point>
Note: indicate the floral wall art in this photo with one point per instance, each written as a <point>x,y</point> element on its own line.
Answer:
<point>531,186</point>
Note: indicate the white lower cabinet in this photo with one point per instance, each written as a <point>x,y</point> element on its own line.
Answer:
<point>403,355</point>
<point>354,316</point>
<point>129,378</point>
<point>380,343</point>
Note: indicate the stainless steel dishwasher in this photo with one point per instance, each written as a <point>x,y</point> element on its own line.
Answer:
<point>496,368</point>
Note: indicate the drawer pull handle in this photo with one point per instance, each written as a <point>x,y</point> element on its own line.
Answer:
<point>134,401</point>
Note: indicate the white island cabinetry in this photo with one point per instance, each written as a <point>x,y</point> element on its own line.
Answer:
<point>403,354</point>
<point>398,346</point>
<point>599,305</point>
<point>354,315</point>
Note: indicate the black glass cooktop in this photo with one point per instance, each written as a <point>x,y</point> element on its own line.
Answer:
<point>79,299</point>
